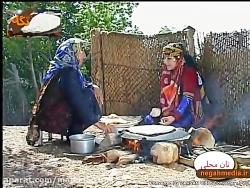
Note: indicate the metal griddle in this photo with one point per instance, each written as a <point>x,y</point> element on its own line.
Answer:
<point>175,135</point>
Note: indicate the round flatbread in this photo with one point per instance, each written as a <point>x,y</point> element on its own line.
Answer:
<point>42,23</point>
<point>121,121</point>
<point>113,119</point>
<point>151,129</point>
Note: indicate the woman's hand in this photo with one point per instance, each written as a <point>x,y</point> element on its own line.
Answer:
<point>165,112</point>
<point>168,120</point>
<point>98,94</point>
<point>105,127</point>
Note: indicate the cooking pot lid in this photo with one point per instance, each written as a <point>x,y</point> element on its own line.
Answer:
<point>149,130</point>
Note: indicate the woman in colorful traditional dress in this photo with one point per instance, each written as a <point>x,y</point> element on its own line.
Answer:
<point>69,102</point>
<point>181,88</point>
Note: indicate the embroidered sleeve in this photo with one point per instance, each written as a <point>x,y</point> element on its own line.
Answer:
<point>183,105</point>
<point>164,80</point>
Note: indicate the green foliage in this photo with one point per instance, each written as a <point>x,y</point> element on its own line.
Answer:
<point>108,16</point>
<point>78,19</point>
<point>166,29</point>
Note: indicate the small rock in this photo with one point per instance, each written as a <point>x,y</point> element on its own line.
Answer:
<point>118,184</point>
<point>16,172</point>
<point>53,160</point>
<point>11,161</point>
<point>126,177</point>
<point>25,164</point>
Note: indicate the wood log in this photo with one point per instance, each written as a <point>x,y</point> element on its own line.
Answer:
<point>95,159</point>
<point>114,154</point>
<point>126,159</point>
<point>186,161</point>
<point>164,153</point>
<point>242,158</point>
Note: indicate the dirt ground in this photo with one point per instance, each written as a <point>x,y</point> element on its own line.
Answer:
<point>49,166</point>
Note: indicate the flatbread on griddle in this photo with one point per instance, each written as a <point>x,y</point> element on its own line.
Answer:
<point>151,129</point>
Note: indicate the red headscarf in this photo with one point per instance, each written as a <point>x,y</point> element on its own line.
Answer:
<point>170,87</point>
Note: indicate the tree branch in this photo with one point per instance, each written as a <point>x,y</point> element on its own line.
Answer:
<point>32,67</point>
<point>44,56</point>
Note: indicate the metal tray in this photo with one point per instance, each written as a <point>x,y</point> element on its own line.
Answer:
<point>177,135</point>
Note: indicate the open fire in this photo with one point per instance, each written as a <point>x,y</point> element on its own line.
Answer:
<point>140,147</point>
<point>132,145</point>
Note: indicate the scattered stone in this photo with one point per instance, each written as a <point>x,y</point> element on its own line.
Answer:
<point>118,184</point>
<point>25,164</point>
<point>36,163</point>
<point>59,165</point>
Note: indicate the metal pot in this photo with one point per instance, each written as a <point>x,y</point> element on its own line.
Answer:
<point>82,143</point>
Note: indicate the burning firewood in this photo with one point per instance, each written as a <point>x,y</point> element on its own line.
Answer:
<point>164,153</point>
<point>133,145</point>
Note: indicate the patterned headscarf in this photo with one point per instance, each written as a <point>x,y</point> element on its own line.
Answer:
<point>66,57</point>
<point>173,50</point>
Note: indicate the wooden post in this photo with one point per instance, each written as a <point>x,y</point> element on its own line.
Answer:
<point>97,71</point>
<point>190,36</point>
